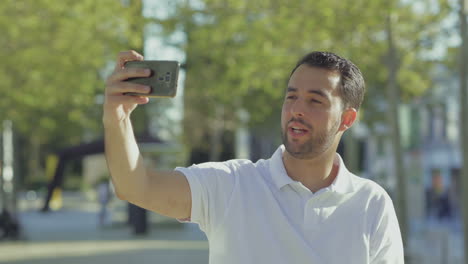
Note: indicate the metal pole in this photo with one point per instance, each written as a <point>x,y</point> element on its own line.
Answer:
<point>7,171</point>
<point>2,193</point>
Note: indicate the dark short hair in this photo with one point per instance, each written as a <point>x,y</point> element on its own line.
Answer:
<point>352,82</point>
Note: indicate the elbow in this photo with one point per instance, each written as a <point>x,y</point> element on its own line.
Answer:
<point>120,195</point>
<point>125,196</point>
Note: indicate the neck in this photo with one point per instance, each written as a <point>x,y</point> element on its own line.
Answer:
<point>315,173</point>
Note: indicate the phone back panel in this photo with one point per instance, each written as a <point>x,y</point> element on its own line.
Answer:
<point>163,79</point>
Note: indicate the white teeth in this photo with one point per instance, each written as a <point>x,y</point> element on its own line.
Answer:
<point>297,130</point>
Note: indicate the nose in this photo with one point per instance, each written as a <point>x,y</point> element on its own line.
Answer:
<point>297,108</point>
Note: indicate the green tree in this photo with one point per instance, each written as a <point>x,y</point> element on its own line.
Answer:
<point>54,57</point>
<point>463,11</point>
<point>239,52</point>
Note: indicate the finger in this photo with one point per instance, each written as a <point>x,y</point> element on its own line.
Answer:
<point>127,87</point>
<point>125,73</point>
<point>127,101</point>
<point>141,99</point>
<point>129,55</point>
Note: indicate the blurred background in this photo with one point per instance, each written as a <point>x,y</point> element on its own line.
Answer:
<point>57,204</point>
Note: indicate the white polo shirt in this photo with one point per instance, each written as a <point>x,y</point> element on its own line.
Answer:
<point>255,213</point>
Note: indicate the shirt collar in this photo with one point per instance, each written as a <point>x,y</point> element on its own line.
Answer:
<point>277,169</point>
<point>342,183</point>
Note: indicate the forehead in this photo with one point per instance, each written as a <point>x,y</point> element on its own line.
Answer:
<point>310,77</point>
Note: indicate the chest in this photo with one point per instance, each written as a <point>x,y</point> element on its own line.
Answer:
<point>265,224</point>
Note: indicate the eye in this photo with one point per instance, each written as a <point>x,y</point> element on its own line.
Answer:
<point>290,97</point>
<point>315,101</point>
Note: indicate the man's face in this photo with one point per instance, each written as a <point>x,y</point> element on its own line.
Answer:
<point>311,115</point>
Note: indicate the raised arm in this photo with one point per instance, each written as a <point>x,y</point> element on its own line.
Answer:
<point>167,193</point>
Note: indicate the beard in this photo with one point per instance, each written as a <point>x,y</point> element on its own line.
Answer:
<point>318,143</point>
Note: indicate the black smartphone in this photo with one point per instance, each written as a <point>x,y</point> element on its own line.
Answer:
<point>163,78</point>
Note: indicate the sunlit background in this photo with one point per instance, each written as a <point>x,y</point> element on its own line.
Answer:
<point>235,58</point>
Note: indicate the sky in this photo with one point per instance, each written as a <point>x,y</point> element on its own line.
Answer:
<point>156,48</point>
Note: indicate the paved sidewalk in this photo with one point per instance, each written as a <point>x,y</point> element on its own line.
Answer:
<point>436,244</point>
<point>72,236</point>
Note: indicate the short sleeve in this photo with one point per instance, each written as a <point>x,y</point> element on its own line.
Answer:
<point>211,185</point>
<point>386,246</point>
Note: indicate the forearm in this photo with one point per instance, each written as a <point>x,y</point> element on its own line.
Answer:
<point>165,192</point>
<point>124,160</point>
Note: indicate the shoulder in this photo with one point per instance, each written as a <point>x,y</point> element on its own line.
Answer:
<point>378,203</point>
<point>368,187</point>
<point>225,168</point>
<point>382,223</point>
<point>374,198</point>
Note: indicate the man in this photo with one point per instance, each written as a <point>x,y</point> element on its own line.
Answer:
<point>300,206</point>
<point>438,203</point>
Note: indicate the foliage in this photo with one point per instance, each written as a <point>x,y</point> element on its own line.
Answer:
<point>240,53</point>
<point>239,56</point>
<point>53,61</point>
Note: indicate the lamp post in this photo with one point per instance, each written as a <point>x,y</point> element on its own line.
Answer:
<point>7,186</point>
<point>9,226</point>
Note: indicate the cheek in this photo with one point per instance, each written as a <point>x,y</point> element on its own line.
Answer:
<point>284,115</point>
<point>325,120</point>
<point>335,122</point>
<point>283,121</point>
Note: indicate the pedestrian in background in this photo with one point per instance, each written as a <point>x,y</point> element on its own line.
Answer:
<point>104,195</point>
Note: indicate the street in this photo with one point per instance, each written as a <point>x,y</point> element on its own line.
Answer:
<point>71,235</point>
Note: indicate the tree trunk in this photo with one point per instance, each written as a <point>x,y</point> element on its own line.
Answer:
<point>34,171</point>
<point>351,152</point>
<point>463,121</point>
<point>216,139</point>
<point>397,151</point>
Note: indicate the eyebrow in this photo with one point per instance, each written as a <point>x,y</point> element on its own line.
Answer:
<point>311,91</point>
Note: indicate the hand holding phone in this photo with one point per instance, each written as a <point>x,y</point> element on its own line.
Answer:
<point>163,78</point>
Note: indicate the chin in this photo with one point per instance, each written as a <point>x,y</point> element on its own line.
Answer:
<point>307,151</point>
<point>298,153</point>
<point>304,156</point>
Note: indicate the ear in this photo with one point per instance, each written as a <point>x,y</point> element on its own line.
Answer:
<point>348,117</point>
